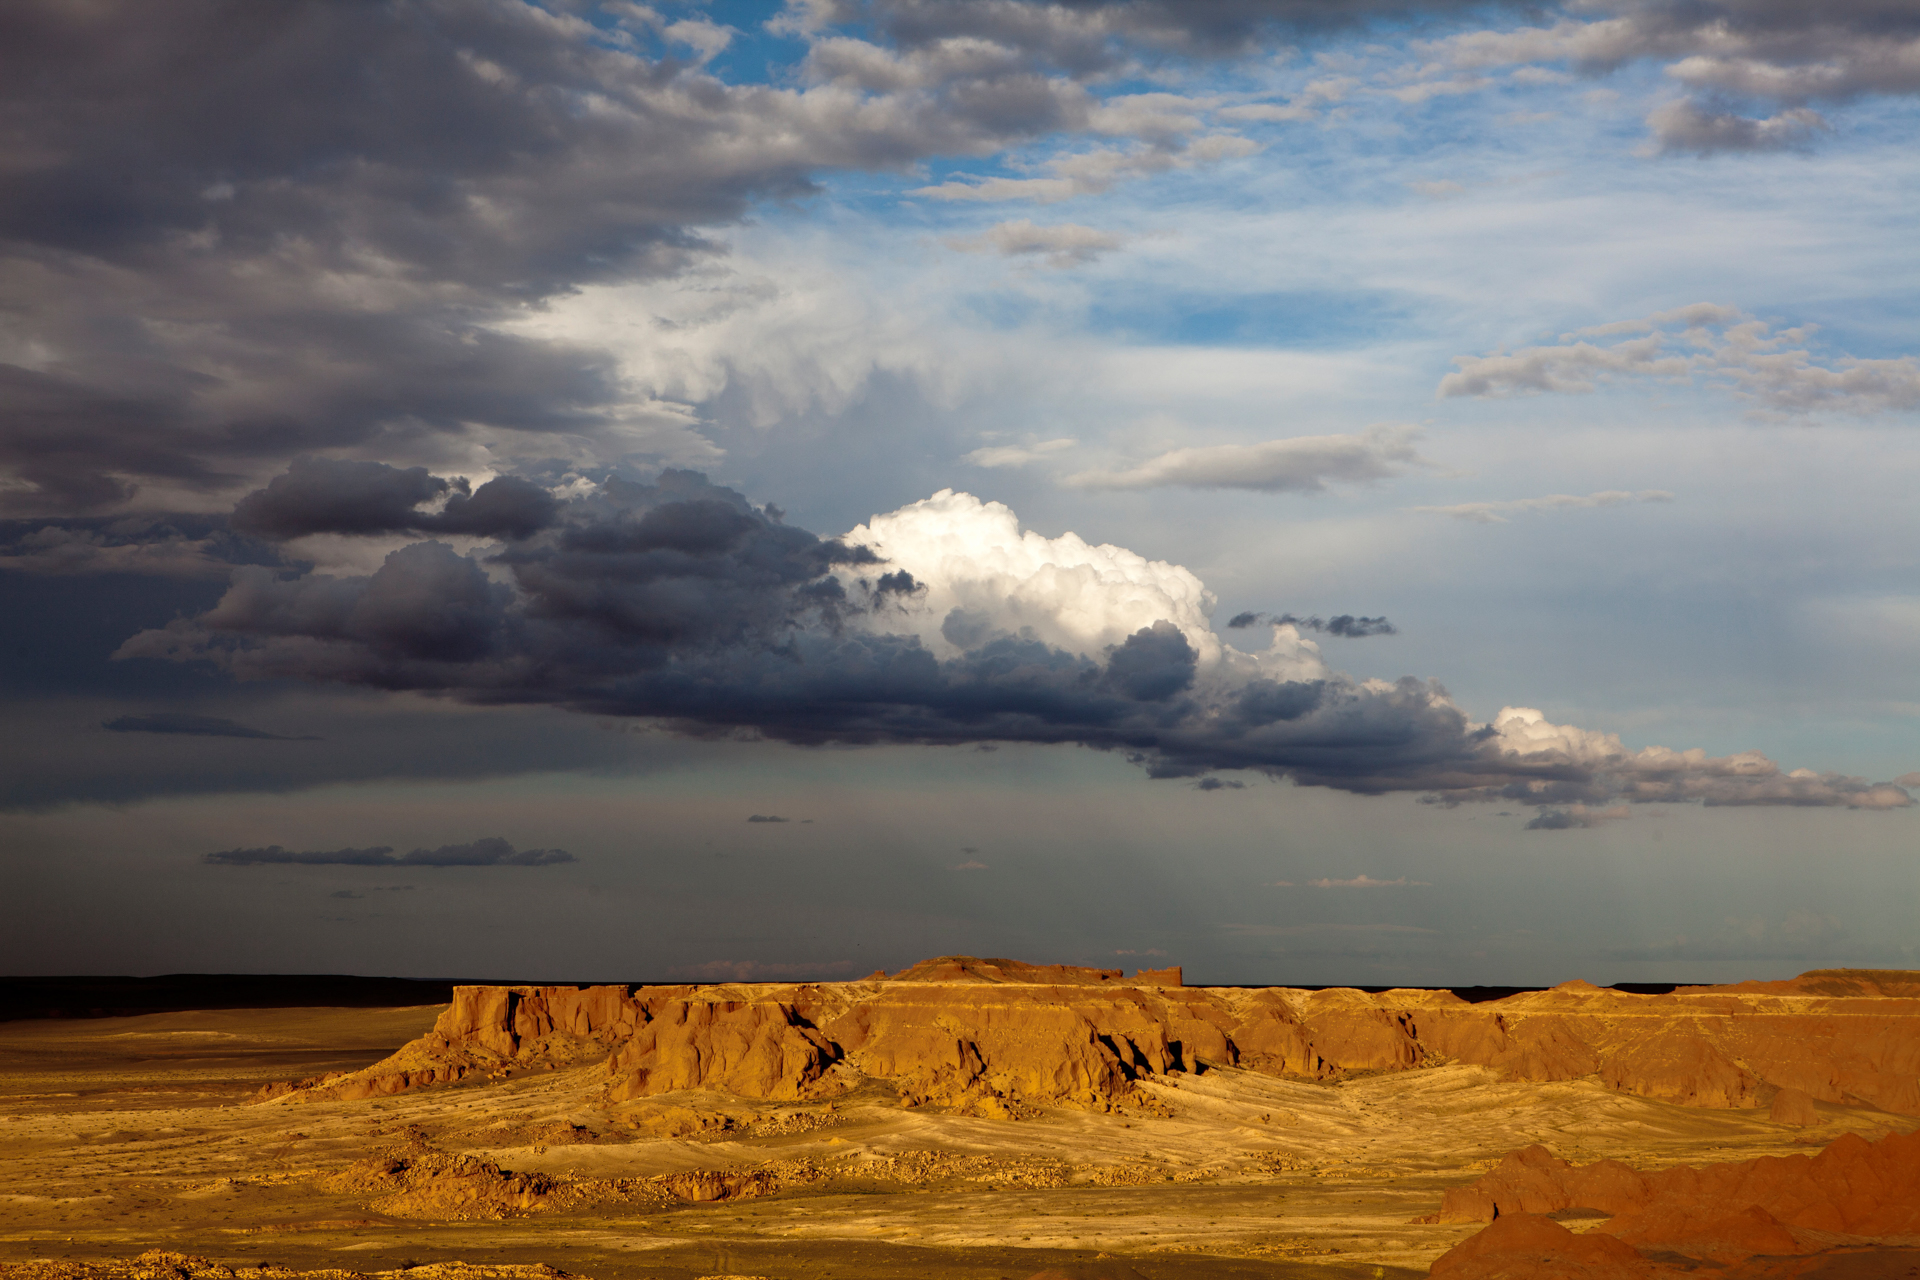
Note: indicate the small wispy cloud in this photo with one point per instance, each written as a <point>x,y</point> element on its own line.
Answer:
<point>1576,817</point>
<point>1016,455</point>
<point>1702,343</point>
<point>1345,624</point>
<point>1303,464</point>
<point>1497,512</point>
<point>1060,246</point>
<point>1365,881</point>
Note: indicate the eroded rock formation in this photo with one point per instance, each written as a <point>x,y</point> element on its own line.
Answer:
<point>1853,1192</point>
<point>989,1033</point>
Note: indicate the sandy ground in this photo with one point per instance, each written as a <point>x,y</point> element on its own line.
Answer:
<point>119,1135</point>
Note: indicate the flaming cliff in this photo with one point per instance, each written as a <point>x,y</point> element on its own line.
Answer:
<point>988,1036</point>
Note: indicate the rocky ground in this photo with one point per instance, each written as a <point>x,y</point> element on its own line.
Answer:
<point>124,1135</point>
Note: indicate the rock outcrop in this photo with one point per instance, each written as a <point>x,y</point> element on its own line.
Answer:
<point>1853,1192</point>
<point>1526,1246</point>
<point>989,1034</point>
<point>434,1184</point>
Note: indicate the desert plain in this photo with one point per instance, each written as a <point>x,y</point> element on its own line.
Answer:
<point>982,1120</point>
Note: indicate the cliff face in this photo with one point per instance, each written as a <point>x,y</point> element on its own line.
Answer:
<point>958,1031</point>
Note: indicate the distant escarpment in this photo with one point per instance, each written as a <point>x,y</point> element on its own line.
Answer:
<point>992,1035</point>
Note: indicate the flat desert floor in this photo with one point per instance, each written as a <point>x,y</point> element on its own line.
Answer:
<point>120,1135</point>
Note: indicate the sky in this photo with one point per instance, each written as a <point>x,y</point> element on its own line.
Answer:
<point>1362,491</point>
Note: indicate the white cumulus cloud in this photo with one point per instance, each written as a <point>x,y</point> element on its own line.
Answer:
<point>983,575</point>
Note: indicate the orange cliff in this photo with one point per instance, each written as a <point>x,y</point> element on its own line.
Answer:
<point>962,1031</point>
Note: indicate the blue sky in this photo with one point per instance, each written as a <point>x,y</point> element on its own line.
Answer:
<point>1576,342</point>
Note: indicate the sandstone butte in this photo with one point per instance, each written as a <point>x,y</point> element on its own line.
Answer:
<point>1854,1193</point>
<point>983,1034</point>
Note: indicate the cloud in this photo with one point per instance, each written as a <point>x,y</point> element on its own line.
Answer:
<point>1427,90</point>
<point>1786,55</point>
<point>206,726</point>
<point>1685,126</point>
<point>175,546</point>
<point>327,495</point>
<point>1063,245</point>
<point>943,622</point>
<point>1085,173</point>
<point>318,231</point>
<point>1575,817</point>
<point>1717,345</point>
<point>1345,625</point>
<point>971,864</point>
<point>1494,512</point>
<point>491,851</point>
<point>765,817</point>
<point>759,971</point>
<point>1303,464</point>
<point>1016,455</point>
<point>1364,881</point>
<point>1218,784</point>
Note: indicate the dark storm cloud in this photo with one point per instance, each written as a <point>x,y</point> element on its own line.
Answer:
<point>765,817</point>
<point>234,233</point>
<point>325,495</point>
<point>152,546</point>
<point>489,852</point>
<point>682,603</point>
<point>1218,784</point>
<point>643,578</point>
<point>1345,624</point>
<point>1153,664</point>
<point>204,726</point>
